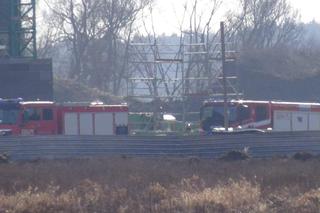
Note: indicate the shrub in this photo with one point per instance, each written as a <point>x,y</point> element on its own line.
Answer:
<point>232,196</point>
<point>303,156</point>
<point>235,156</point>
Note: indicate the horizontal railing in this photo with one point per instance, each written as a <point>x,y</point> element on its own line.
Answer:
<point>260,145</point>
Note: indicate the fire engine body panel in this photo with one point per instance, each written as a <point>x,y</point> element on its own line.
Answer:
<point>278,116</point>
<point>49,118</point>
<point>296,116</point>
<point>94,120</point>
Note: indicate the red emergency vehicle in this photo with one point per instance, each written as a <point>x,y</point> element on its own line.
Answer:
<point>48,118</point>
<point>275,115</point>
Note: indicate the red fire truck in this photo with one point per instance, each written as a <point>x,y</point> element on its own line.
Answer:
<point>48,118</point>
<point>275,115</point>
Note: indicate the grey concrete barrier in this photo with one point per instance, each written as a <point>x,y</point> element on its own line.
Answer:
<point>64,147</point>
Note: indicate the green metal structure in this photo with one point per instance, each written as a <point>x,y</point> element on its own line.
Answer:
<point>18,28</point>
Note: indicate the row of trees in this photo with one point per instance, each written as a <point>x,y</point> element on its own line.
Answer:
<point>265,24</point>
<point>93,36</point>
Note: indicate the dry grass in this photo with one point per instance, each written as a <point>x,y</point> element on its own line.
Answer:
<point>160,185</point>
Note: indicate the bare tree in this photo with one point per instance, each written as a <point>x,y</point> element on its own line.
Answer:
<point>118,17</point>
<point>45,43</point>
<point>77,24</point>
<point>97,34</point>
<point>202,33</point>
<point>262,23</point>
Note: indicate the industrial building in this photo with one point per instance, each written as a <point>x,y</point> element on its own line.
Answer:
<point>22,74</point>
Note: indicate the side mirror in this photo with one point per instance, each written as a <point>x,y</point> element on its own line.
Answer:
<point>243,106</point>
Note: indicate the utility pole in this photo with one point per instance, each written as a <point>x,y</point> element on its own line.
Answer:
<point>225,95</point>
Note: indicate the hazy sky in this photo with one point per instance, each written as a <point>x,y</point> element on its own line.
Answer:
<point>309,9</point>
<point>168,13</point>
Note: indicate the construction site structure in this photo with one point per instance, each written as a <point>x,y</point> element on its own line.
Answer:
<point>18,28</point>
<point>182,70</point>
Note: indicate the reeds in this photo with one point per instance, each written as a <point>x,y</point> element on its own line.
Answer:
<point>160,185</point>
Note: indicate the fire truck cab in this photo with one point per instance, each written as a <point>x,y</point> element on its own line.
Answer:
<point>38,118</point>
<point>10,116</point>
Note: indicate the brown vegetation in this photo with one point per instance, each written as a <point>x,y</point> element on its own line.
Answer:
<point>70,90</point>
<point>160,185</point>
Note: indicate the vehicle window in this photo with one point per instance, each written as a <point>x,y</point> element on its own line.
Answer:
<point>261,113</point>
<point>32,114</point>
<point>244,113</point>
<point>47,114</point>
<point>232,114</point>
<point>8,116</point>
<point>206,112</point>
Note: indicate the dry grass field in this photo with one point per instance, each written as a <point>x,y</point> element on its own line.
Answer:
<point>160,185</point>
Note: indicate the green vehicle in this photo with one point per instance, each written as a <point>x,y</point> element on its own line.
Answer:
<point>165,124</point>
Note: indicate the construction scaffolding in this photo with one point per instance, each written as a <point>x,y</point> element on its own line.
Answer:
<point>180,71</point>
<point>18,28</point>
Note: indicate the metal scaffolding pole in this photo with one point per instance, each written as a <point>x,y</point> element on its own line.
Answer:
<point>224,76</point>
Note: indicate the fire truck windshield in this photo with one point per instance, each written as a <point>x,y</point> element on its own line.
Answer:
<point>9,116</point>
<point>213,116</point>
